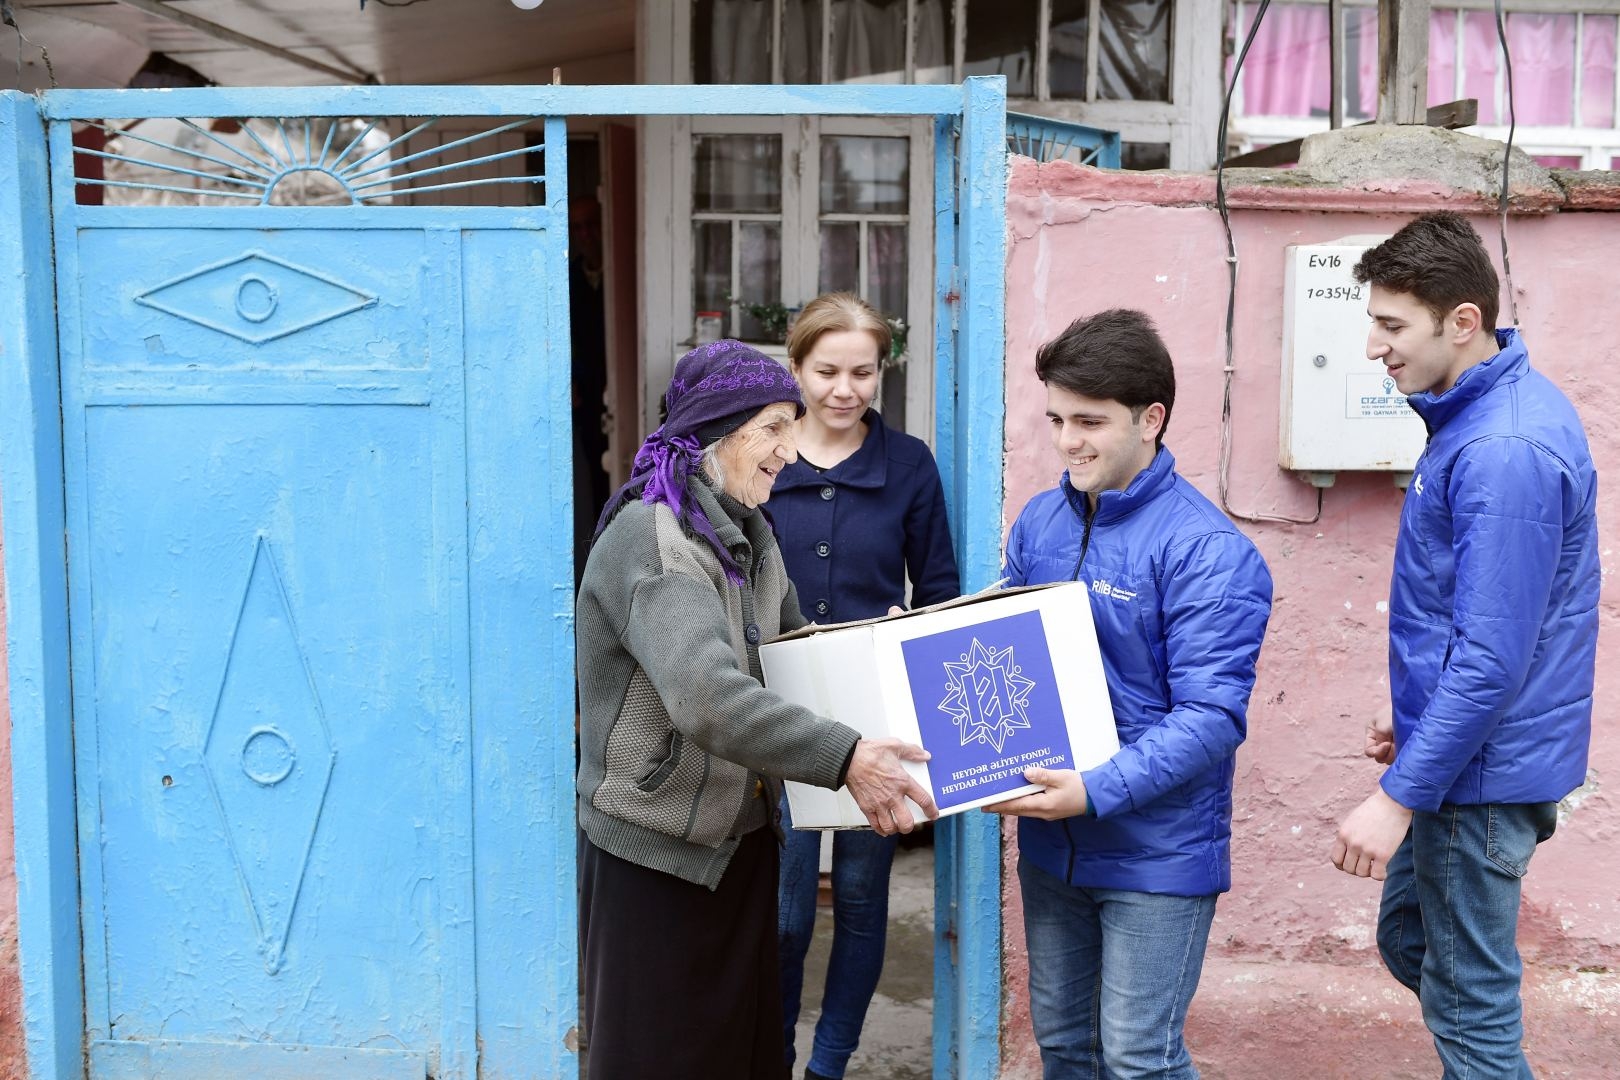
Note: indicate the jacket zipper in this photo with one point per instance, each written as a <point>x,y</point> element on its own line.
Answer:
<point>1085,542</point>
<point>1085,536</point>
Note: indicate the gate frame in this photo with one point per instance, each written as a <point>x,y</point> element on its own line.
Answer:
<point>970,186</point>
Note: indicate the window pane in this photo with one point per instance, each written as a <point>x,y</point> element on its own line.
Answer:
<point>1069,37</point>
<point>1360,63</point>
<point>1144,155</point>
<point>1597,70</point>
<point>1001,41</point>
<point>1442,56</point>
<point>1286,71</point>
<point>731,41</point>
<point>1480,60</point>
<point>801,41</point>
<point>936,40</point>
<point>1543,51</point>
<point>760,272</point>
<point>869,41</point>
<point>840,258</point>
<point>711,265</point>
<point>886,269</point>
<point>1558,161</point>
<point>737,173</point>
<point>863,174</point>
<point>1133,50</point>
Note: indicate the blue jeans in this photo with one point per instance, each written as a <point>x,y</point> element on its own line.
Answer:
<point>1111,973</point>
<point>860,878</point>
<point>1448,924</point>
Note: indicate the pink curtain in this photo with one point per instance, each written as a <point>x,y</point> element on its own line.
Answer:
<point>1543,51</point>
<point>1286,72</point>
<point>1597,71</point>
<point>1442,57</point>
<point>1480,59</point>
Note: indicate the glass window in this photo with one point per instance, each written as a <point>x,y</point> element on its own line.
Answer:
<point>1280,74</point>
<point>731,41</point>
<point>801,41</point>
<point>1001,41</point>
<point>759,277</point>
<point>1144,155</point>
<point>1133,50</point>
<point>868,41</point>
<point>1069,37</point>
<point>886,268</point>
<point>1543,50</point>
<point>935,37</point>
<point>840,269</point>
<point>737,174</point>
<point>711,251</point>
<point>863,174</point>
<point>1597,70</point>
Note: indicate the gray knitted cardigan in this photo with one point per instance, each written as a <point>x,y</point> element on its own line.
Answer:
<point>676,725</point>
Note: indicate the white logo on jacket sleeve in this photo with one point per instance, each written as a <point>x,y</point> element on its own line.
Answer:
<point>1112,591</point>
<point>1417,483</point>
<point>986,696</point>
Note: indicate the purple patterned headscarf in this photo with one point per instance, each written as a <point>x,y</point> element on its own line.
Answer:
<point>715,389</point>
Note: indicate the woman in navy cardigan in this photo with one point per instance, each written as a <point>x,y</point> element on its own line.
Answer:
<point>859,512</point>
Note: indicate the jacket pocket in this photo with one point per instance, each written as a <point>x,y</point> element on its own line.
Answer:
<point>656,771</point>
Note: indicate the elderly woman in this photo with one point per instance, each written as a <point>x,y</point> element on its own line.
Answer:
<point>683,749</point>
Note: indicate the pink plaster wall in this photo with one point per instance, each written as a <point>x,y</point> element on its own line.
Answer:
<point>1293,976</point>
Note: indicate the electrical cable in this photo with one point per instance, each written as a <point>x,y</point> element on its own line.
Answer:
<point>1507,156</point>
<point>1225,463</point>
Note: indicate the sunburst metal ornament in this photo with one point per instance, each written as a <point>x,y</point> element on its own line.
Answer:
<point>354,159</point>
<point>987,698</point>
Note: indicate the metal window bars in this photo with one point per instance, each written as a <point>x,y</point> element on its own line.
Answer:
<point>304,161</point>
<point>1044,139</point>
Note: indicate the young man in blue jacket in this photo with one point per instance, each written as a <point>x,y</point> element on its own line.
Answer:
<point>1492,643</point>
<point>1120,865</point>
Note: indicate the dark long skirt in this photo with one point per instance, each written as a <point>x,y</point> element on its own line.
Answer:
<point>681,983</point>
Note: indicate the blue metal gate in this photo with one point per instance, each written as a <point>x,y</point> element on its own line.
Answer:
<point>292,716</point>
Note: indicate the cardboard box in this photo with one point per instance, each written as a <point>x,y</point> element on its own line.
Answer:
<point>989,685</point>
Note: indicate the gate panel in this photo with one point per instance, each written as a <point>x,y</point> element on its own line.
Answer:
<point>273,742</point>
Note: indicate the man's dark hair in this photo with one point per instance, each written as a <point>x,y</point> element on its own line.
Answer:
<point>1114,355</point>
<point>1439,259</point>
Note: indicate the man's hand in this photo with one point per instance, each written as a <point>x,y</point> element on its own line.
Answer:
<point>1380,740</point>
<point>881,785</point>
<point>1369,836</point>
<point>1064,797</point>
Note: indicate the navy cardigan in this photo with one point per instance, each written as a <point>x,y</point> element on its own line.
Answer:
<point>851,535</point>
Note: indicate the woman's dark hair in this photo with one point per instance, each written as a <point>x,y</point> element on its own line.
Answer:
<point>1114,355</point>
<point>1439,259</point>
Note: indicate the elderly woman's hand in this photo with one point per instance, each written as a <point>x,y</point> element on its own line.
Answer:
<point>881,785</point>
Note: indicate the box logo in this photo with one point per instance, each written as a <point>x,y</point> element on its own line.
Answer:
<point>987,696</point>
<point>987,706</point>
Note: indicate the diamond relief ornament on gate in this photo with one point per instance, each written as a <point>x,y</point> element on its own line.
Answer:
<point>269,755</point>
<point>256,298</point>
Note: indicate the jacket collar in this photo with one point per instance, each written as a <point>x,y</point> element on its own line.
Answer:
<point>1508,365</point>
<point>867,467</point>
<point>1148,485</point>
<point>735,524</point>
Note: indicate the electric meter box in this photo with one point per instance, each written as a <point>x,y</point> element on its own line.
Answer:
<point>1340,411</point>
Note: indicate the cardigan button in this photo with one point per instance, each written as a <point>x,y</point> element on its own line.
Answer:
<point>827,492</point>
<point>824,549</point>
<point>752,634</point>
<point>821,607</point>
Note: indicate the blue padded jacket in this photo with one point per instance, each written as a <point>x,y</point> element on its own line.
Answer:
<point>1493,609</point>
<point>1180,599</point>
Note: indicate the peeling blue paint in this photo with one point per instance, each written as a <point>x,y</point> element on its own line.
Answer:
<point>36,604</point>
